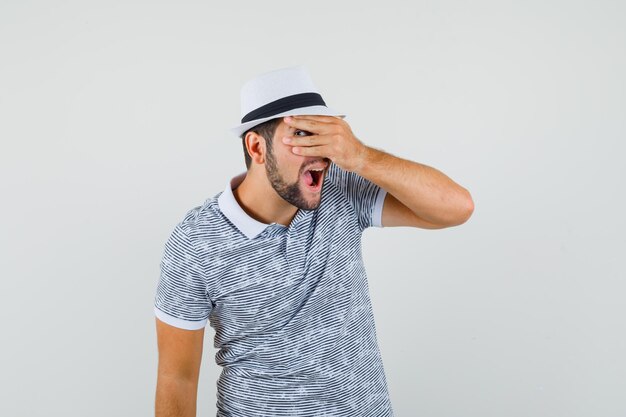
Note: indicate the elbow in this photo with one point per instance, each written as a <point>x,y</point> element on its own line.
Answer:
<point>469,208</point>
<point>466,211</point>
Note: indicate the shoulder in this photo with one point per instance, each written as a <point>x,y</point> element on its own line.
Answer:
<point>202,220</point>
<point>334,173</point>
<point>342,179</point>
<point>207,227</point>
<point>199,217</point>
<point>335,179</point>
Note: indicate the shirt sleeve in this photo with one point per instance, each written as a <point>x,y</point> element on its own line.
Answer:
<point>366,197</point>
<point>181,297</point>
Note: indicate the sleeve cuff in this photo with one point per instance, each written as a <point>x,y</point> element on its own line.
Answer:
<point>377,214</point>
<point>180,323</point>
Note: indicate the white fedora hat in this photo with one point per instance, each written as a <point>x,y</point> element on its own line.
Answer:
<point>278,93</point>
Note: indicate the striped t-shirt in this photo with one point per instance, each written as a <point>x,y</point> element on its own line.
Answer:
<point>290,305</point>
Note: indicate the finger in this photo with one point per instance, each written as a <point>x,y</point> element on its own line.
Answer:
<point>311,140</point>
<point>316,117</point>
<point>313,126</point>
<point>309,150</point>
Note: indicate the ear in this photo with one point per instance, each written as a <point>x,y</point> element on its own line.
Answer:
<point>256,146</point>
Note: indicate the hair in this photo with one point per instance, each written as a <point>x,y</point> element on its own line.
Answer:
<point>266,130</point>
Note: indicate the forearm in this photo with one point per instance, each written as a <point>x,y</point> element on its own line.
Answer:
<point>429,193</point>
<point>175,397</point>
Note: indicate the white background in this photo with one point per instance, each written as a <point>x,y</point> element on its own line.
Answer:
<point>114,121</point>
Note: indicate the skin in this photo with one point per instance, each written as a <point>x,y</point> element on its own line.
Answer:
<point>417,195</point>
<point>273,190</point>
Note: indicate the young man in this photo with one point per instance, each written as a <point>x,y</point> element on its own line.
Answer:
<point>274,263</point>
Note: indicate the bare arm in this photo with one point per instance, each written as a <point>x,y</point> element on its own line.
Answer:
<point>180,355</point>
<point>418,195</point>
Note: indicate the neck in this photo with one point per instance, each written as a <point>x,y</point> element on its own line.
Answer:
<point>259,200</point>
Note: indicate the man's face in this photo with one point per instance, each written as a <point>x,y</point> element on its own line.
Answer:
<point>297,179</point>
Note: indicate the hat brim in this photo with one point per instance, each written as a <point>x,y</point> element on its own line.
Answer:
<point>312,110</point>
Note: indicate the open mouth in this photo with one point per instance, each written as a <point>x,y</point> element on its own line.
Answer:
<point>313,178</point>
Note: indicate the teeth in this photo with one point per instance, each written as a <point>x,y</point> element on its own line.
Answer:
<point>319,169</point>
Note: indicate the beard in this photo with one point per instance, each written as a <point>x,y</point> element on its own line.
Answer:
<point>292,193</point>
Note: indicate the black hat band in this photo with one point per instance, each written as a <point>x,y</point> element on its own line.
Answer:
<point>284,104</point>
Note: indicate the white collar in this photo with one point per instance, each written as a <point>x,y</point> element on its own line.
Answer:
<point>231,209</point>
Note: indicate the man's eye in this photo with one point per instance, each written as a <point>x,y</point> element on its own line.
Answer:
<point>302,131</point>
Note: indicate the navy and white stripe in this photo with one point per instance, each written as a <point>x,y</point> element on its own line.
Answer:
<point>290,304</point>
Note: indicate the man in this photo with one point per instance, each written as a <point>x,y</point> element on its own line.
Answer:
<point>274,263</point>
